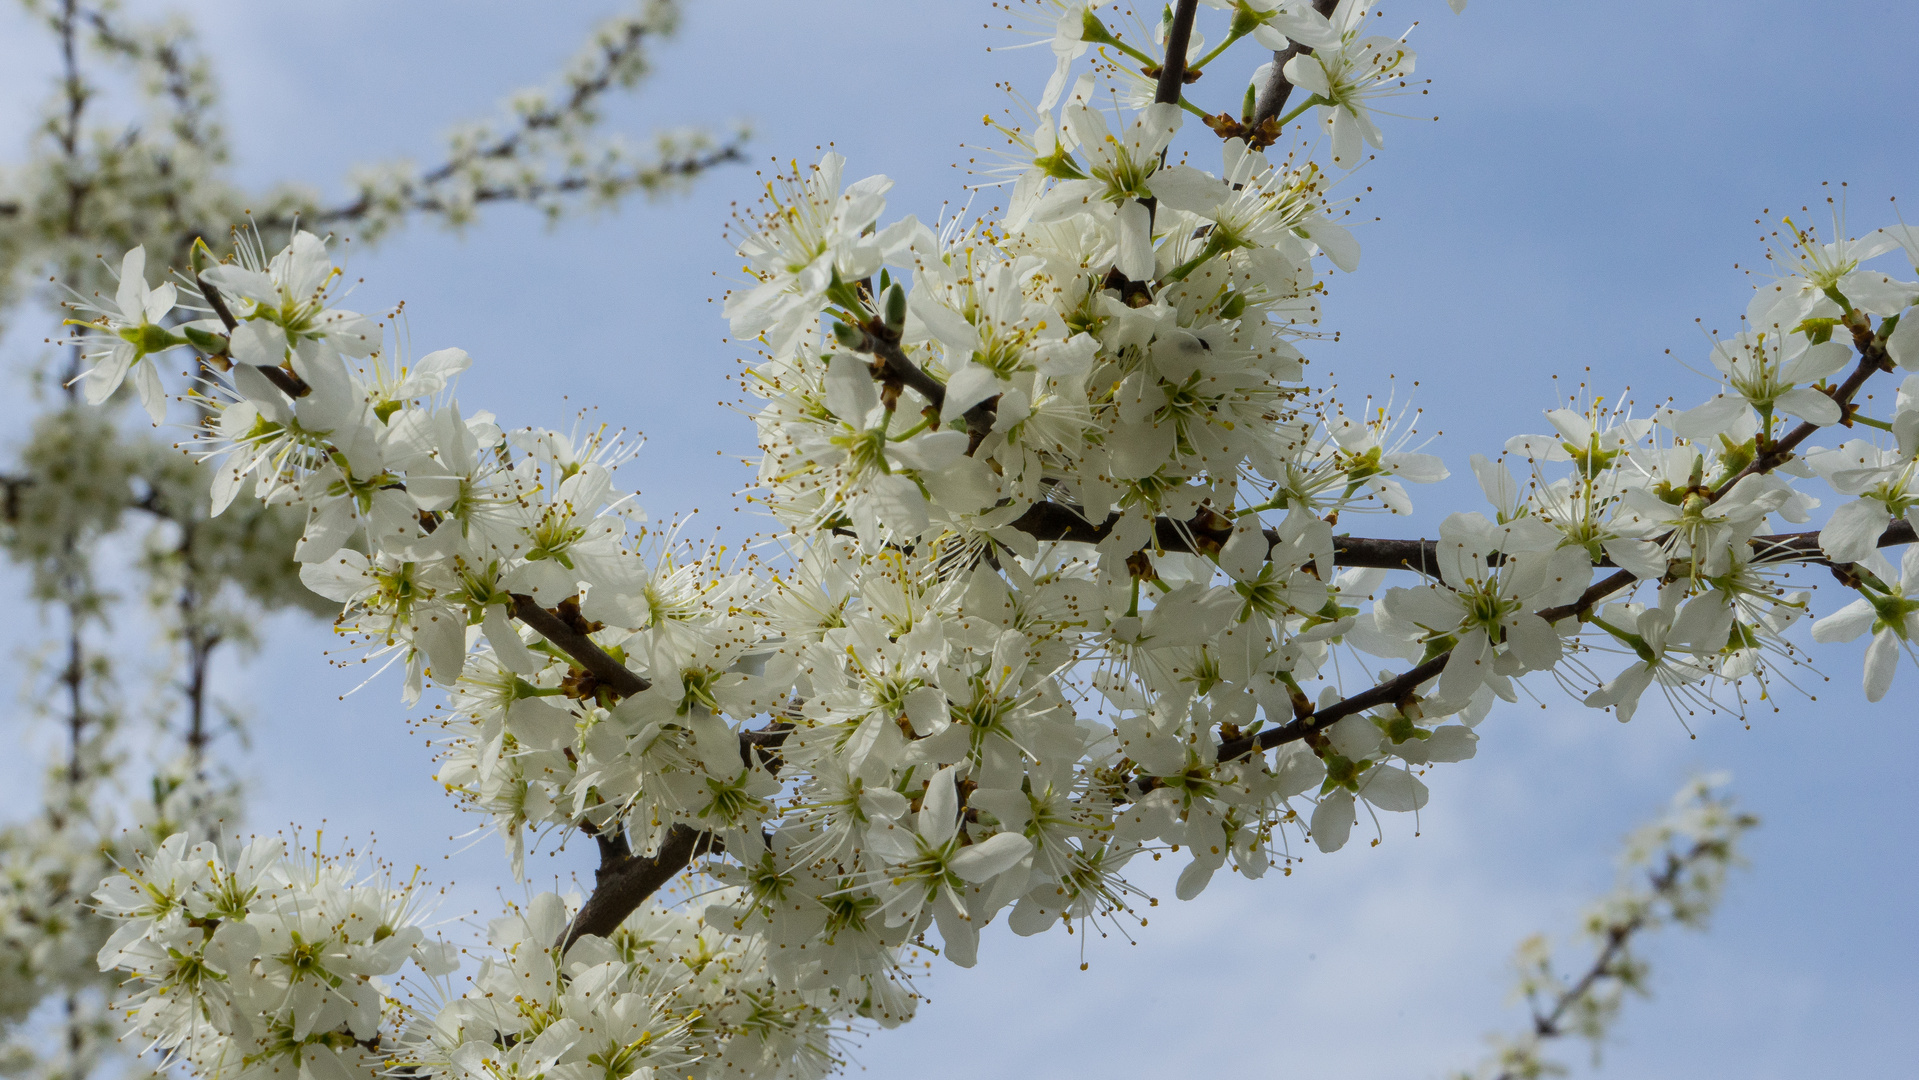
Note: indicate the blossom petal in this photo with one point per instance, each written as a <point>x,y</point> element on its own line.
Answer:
<point>1853,531</point>
<point>1333,820</point>
<point>1882,660</point>
<point>991,857</point>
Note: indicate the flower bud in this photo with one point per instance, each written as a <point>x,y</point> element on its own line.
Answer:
<point>896,307</point>
<point>206,341</point>
<point>200,257</point>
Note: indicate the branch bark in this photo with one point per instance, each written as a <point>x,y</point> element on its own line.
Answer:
<point>624,881</point>
<point>1271,99</point>
<point>894,369</point>
<point>611,673</point>
<point>1179,36</point>
<point>1201,535</point>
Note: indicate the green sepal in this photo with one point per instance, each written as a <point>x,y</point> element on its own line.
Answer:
<point>1400,728</point>
<point>149,338</point>
<point>1818,330</point>
<point>896,307</point>
<point>205,340</point>
<point>1341,772</point>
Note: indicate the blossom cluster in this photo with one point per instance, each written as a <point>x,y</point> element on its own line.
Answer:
<point>1061,586</point>
<point>662,992</point>
<point>146,166</point>
<point>265,963</point>
<point>277,962</point>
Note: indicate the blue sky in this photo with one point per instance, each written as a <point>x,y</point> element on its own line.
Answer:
<point>1593,180</point>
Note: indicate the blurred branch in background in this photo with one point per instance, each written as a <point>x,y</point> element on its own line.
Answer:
<point>1672,872</point>
<point>95,179</point>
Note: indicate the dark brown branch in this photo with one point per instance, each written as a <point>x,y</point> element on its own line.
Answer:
<point>891,366</point>
<point>1271,99</point>
<point>611,673</point>
<point>1390,692</point>
<point>894,370</point>
<point>1398,689</point>
<point>761,748</point>
<point>1402,687</point>
<point>1804,546</point>
<point>1204,534</point>
<point>290,384</point>
<point>218,303</point>
<point>624,881</point>
<point>1179,36</point>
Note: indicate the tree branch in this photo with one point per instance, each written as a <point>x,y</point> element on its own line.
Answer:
<point>1804,546</point>
<point>1179,36</point>
<point>610,672</point>
<point>642,176</point>
<point>1872,358</point>
<point>1203,535</point>
<point>624,881</point>
<point>1271,99</point>
<point>894,369</point>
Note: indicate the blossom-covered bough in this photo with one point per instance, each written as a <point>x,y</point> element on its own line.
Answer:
<point>1066,578</point>
<point>129,151</point>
